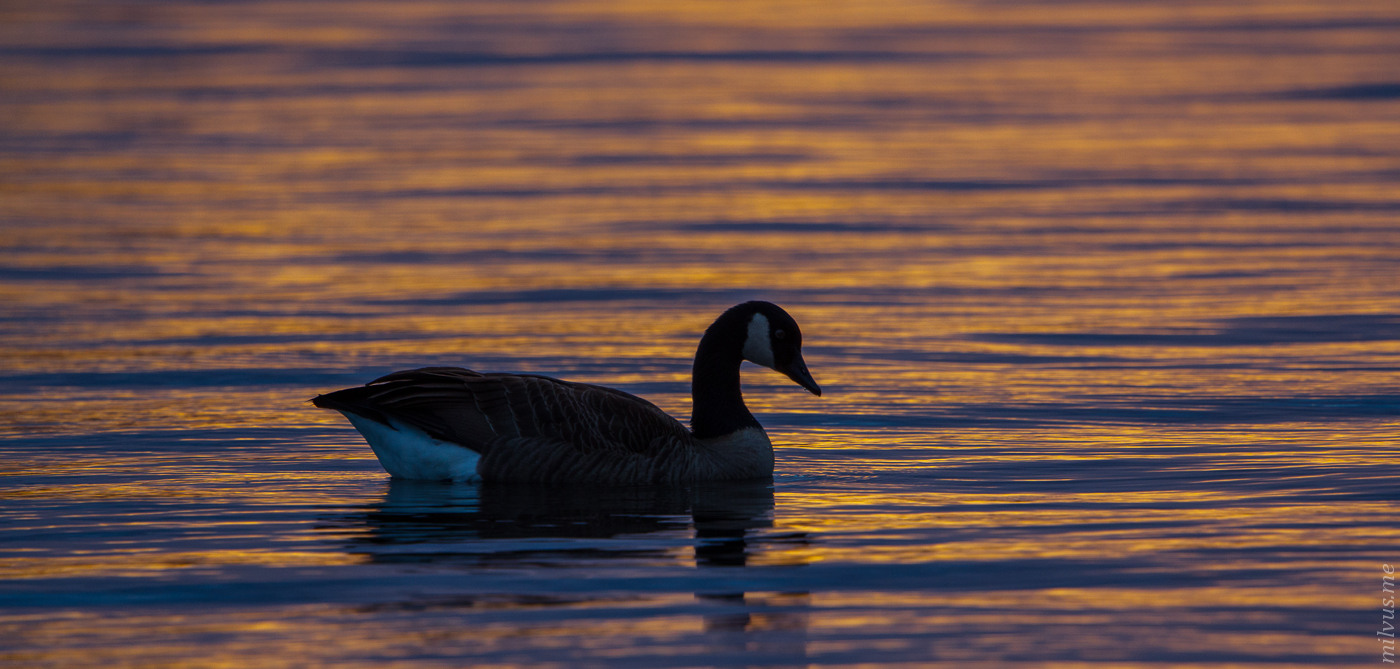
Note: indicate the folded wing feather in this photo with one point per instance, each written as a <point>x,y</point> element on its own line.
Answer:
<point>481,410</point>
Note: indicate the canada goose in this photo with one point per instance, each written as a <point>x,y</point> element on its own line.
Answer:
<point>441,423</point>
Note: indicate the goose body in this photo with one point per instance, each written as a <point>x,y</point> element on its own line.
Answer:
<point>441,423</point>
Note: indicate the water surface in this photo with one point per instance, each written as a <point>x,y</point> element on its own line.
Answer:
<point>1102,297</point>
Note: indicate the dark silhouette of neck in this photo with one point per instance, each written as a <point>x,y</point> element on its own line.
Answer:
<point>714,383</point>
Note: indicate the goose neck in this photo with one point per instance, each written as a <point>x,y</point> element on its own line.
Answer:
<point>718,402</point>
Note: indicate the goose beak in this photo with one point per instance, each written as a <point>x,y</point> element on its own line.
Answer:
<point>797,371</point>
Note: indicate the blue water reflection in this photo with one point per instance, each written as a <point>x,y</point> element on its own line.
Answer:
<point>1102,296</point>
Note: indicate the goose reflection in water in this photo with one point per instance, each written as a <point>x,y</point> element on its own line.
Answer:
<point>535,526</point>
<point>434,522</point>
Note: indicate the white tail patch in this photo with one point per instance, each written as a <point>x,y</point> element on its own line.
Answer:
<point>407,452</point>
<point>758,345</point>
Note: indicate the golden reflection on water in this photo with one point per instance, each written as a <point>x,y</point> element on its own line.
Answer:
<point>792,625</point>
<point>1101,284</point>
<point>153,562</point>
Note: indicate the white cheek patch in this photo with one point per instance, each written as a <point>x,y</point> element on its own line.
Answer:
<point>758,345</point>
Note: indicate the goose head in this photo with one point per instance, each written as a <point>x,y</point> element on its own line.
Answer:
<point>773,340</point>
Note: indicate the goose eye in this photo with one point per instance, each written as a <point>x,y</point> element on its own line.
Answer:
<point>779,334</point>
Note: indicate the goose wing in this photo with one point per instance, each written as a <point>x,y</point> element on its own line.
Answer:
<point>485,411</point>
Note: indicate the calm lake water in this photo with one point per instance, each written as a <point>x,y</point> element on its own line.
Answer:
<point>1103,296</point>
